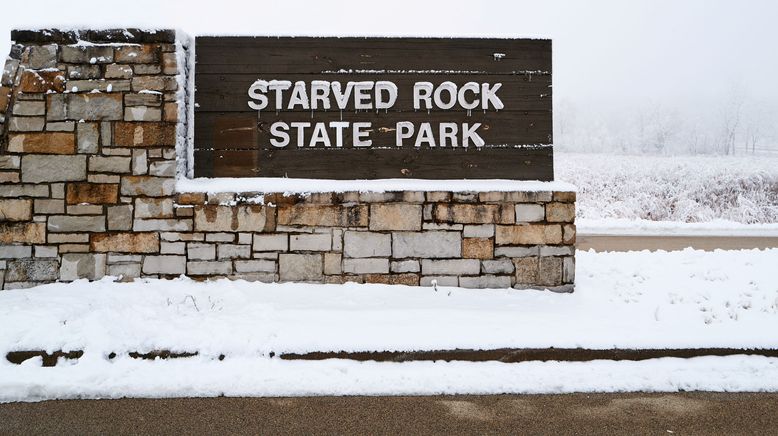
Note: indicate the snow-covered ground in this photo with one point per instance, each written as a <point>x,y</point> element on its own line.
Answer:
<point>685,299</point>
<point>681,189</point>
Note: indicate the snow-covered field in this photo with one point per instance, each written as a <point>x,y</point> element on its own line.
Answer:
<point>687,189</point>
<point>684,299</point>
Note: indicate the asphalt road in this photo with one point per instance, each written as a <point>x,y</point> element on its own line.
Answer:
<point>670,243</point>
<point>657,414</point>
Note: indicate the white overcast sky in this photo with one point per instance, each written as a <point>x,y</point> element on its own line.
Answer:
<point>607,54</point>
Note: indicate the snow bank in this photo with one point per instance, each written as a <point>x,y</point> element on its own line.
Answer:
<point>626,300</point>
<point>681,189</point>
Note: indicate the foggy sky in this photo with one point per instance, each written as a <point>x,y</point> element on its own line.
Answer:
<point>608,55</point>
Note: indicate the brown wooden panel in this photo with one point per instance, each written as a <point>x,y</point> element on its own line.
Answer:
<point>312,55</point>
<point>232,140</point>
<point>228,93</point>
<point>246,130</point>
<point>344,164</point>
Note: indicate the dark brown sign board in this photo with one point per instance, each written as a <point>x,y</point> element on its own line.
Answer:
<point>369,108</point>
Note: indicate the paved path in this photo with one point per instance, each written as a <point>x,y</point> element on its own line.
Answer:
<point>668,243</point>
<point>658,414</point>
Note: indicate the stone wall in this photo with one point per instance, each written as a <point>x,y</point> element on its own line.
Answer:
<point>90,122</point>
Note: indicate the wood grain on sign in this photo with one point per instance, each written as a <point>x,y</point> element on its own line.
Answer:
<point>232,140</point>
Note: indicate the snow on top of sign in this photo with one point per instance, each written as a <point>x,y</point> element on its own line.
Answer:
<point>287,185</point>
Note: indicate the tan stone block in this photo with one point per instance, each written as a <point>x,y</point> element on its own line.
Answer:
<point>467,213</point>
<point>144,134</point>
<point>9,177</point>
<point>397,216</point>
<point>550,271</point>
<point>137,54</point>
<point>45,143</point>
<point>526,270</point>
<point>323,215</point>
<point>93,193</point>
<point>30,233</point>
<point>477,248</point>
<point>244,218</point>
<point>529,234</point>
<point>124,242</point>
<point>42,81</point>
<point>15,210</point>
<point>5,97</point>
<point>191,198</point>
<point>569,232</point>
<point>492,197</point>
<point>564,197</point>
<point>332,263</point>
<point>560,212</point>
<point>169,63</point>
<point>171,112</point>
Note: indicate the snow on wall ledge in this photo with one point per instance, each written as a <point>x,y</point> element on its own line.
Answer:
<point>94,127</point>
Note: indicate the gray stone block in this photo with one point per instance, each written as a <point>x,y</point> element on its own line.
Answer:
<point>197,251</point>
<point>550,250</point>
<point>163,168</point>
<point>29,108</point>
<point>120,217</point>
<point>103,164</point>
<point>367,244</point>
<point>405,266</point>
<point>82,266</point>
<point>198,268</point>
<point>37,168</point>
<point>440,280</point>
<point>164,225</point>
<point>568,270</point>
<point>172,248</point>
<point>46,251</point>
<point>15,251</point>
<point>274,242</point>
<point>485,282</point>
<point>479,231</point>
<point>310,242</point>
<point>530,213</point>
<point>88,137</point>
<point>142,113</point>
<point>94,107</point>
<point>300,267</point>
<point>74,54</point>
<point>366,266</point>
<point>451,267</point>
<point>164,264</point>
<point>430,244</point>
<point>500,266</point>
<point>66,223</point>
<point>26,124</point>
<point>31,271</point>
<point>251,266</point>
<point>333,263</point>
<point>532,251</point>
<point>42,56</point>
<point>126,271</point>
<point>233,251</point>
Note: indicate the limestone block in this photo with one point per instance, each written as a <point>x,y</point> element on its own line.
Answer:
<point>530,213</point>
<point>529,234</point>
<point>564,197</point>
<point>94,107</point>
<point>42,56</point>
<point>164,225</point>
<point>137,54</point>
<point>233,251</point>
<point>273,242</point>
<point>148,186</point>
<point>432,244</point>
<point>546,250</point>
<point>127,271</point>
<point>76,54</point>
<point>93,193</point>
<point>528,197</point>
<point>148,134</point>
<point>332,263</point>
<point>28,233</point>
<point>517,251</point>
<point>44,143</point>
<point>366,266</point>
<point>164,264</point>
<point>398,216</point>
<point>569,232</point>
<point>439,281</point>
<point>163,168</point>
<point>120,217</point>
<point>367,244</point>
<point>116,71</point>
<point>477,248</point>
<point>66,223</point>
<point>250,266</point>
<point>37,168</point>
<point>142,113</point>
<point>129,242</point>
<point>323,215</point>
<point>450,267</point>
<point>560,212</point>
<point>479,231</point>
<point>568,269</point>
<point>404,266</point>
<point>300,267</point>
<point>15,251</point>
<point>172,248</point>
<point>485,282</point>
<point>45,251</point>
<point>29,124</point>
<point>83,71</point>
<point>61,126</point>
<point>88,137</point>
<point>310,242</point>
<point>8,162</point>
<point>15,210</point>
<point>243,218</point>
<point>114,164</point>
<point>154,207</point>
<point>29,108</point>
<point>467,213</point>
<point>197,268</point>
<point>499,266</point>
<point>198,251</point>
<point>76,266</point>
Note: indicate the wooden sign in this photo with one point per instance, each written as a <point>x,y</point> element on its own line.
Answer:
<point>368,108</point>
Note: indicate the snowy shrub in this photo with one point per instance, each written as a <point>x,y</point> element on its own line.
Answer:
<point>687,189</point>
